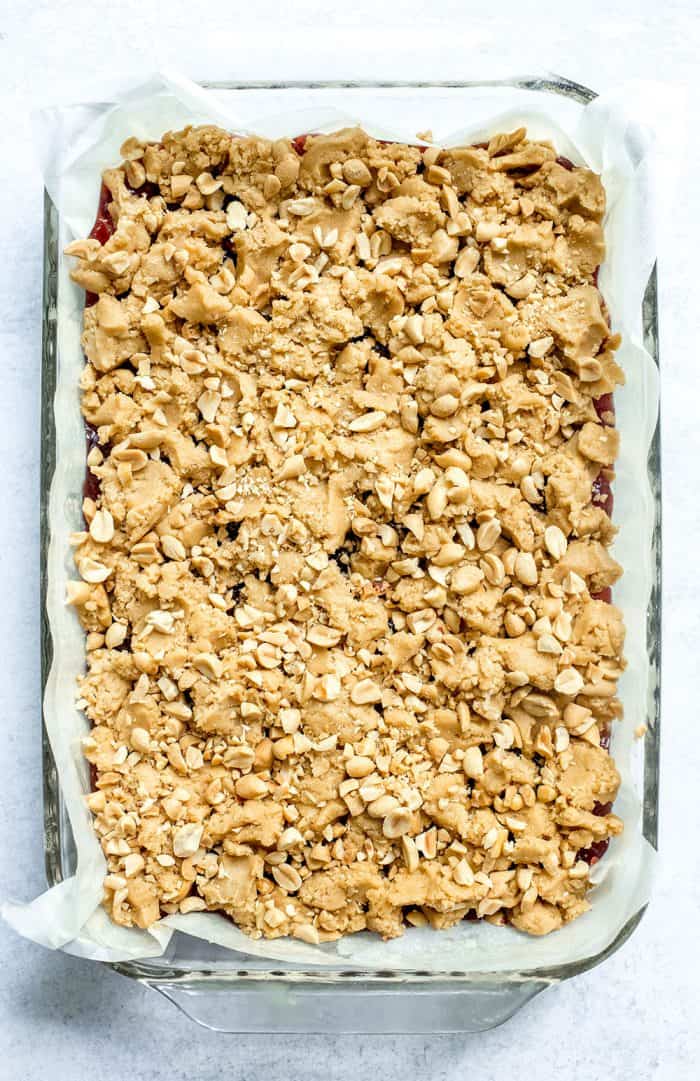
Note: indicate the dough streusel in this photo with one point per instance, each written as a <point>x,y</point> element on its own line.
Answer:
<point>350,658</point>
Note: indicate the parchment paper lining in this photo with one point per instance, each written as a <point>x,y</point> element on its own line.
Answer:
<point>76,144</point>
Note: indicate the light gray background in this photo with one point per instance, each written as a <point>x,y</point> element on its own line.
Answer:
<point>634,1016</point>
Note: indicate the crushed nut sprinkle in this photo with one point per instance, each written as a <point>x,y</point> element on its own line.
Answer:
<point>349,665</point>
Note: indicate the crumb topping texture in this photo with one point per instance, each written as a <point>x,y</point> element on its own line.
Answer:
<point>350,661</point>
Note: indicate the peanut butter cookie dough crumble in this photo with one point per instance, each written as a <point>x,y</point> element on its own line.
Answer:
<point>351,661</point>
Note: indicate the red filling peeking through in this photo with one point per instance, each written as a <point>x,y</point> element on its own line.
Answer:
<point>299,144</point>
<point>101,230</point>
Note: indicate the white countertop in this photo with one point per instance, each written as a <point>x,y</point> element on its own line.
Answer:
<point>633,1016</point>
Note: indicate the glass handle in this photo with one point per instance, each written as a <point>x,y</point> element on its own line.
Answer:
<point>283,1006</point>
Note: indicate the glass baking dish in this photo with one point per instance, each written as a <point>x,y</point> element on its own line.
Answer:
<point>234,992</point>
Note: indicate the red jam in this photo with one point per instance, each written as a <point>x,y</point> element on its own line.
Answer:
<point>594,852</point>
<point>299,143</point>
<point>101,230</point>
<point>602,493</point>
<point>104,226</point>
<point>91,484</point>
<point>598,849</point>
<point>605,408</point>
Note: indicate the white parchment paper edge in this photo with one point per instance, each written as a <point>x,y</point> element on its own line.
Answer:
<point>76,143</point>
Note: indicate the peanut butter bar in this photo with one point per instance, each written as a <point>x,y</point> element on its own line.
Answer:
<point>345,576</point>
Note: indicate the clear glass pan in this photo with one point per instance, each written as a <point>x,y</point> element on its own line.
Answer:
<point>233,992</point>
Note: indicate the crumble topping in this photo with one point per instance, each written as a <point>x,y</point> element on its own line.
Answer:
<point>347,662</point>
